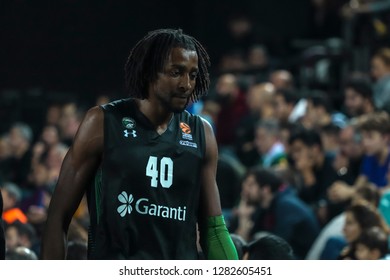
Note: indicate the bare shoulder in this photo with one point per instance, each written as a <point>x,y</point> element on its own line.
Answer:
<point>94,116</point>
<point>207,127</point>
<point>211,142</point>
<point>90,134</point>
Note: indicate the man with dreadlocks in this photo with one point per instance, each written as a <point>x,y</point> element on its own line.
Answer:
<point>147,165</point>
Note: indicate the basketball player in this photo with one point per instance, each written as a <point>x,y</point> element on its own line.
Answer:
<point>147,165</point>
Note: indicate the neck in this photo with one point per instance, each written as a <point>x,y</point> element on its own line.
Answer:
<point>157,114</point>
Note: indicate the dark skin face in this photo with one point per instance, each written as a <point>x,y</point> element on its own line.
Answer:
<point>172,90</point>
<point>175,84</point>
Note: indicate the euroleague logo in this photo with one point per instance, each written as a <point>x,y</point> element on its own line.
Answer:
<point>186,135</point>
<point>185,128</point>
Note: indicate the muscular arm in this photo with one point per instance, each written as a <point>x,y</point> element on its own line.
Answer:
<point>214,236</point>
<point>209,199</point>
<point>78,169</point>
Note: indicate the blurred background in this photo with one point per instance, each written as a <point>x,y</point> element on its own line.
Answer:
<point>77,49</point>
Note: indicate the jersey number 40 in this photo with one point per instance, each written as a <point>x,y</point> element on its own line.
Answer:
<point>166,171</point>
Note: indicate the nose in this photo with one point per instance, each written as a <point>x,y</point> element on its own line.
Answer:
<point>185,83</point>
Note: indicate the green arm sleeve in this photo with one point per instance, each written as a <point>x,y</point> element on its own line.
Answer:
<point>215,240</point>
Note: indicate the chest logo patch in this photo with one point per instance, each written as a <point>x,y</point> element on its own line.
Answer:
<point>144,207</point>
<point>128,123</point>
<point>126,201</point>
<point>186,131</point>
<point>185,128</point>
<point>126,133</point>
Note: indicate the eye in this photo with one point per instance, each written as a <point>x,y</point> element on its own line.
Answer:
<point>193,75</point>
<point>175,73</point>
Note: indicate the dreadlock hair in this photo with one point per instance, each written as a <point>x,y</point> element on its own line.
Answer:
<point>148,56</point>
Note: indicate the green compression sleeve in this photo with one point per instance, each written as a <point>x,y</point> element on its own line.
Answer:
<point>216,242</point>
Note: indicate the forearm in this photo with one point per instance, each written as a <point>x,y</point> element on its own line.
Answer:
<point>54,241</point>
<point>215,240</point>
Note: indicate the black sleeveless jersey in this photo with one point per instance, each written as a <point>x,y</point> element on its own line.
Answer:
<point>144,203</point>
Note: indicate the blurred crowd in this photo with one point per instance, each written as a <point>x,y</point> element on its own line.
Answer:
<point>304,155</point>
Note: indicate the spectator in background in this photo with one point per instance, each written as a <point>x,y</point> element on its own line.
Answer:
<point>12,196</point>
<point>380,71</point>
<point>35,205</point>
<point>69,122</point>
<point>284,103</point>
<point>269,146</point>
<point>5,150</point>
<point>334,228</point>
<point>375,129</point>
<point>53,114</point>
<point>372,244</point>
<point>259,99</point>
<point>50,135</point>
<point>358,98</point>
<point>319,112</point>
<point>231,100</point>
<point>77,250</point>
<point>19,234</point>
<point>269,247</point>
<point>315,169</point>
<point>53,161</point>
<point>16,167</point>
<point>49,138</point>
<point>349,157</point>
<point>282,80</point>
<point>330,138</point>
<point>371,20</point>
<point>358,218</point>
<point>258,63</point>
<point>276,209</point>
<point>21,253</point>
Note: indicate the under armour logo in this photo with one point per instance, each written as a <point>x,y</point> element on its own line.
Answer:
<point>127,133</point>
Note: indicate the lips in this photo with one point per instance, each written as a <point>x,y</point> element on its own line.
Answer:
<point>182,96</point>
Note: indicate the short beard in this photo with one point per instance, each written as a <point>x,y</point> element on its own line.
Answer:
<point>169,106</point>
